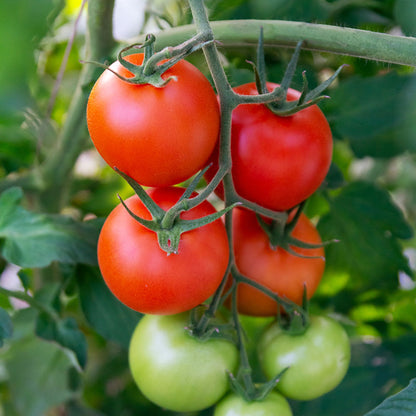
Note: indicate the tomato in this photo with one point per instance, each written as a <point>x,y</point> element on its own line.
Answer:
<point>318,359</point>
<point>157,136</point>
<point>275,268</point>
<point>142,276</point>
<point>273,405</point>
<point>277,162</point>
<point>175,370</point>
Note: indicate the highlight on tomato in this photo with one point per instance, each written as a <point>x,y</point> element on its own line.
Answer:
<point>175,370</point>
<point>142,276</point>
<point>159,136</point>
<point>316,360</point>
<point>278,161</point>
<point>284,273</point>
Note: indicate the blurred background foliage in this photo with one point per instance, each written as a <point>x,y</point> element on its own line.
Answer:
<point>66,353</point>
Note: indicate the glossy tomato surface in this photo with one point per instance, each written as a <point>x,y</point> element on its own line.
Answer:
<point>157,136</point>
<point>273,405</point>
<point>318,359</point>
<point>283,273</point>
<point>176,371</point>
<point>143,276</point>
<point>277,162</point>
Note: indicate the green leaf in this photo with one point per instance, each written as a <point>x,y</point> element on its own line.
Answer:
<point>30,239</point>
<point>6,326</point>
<point>104,312</point>
<point>401,404</point>
<point>65,332</point>
<point>35,19</point>
<point>368,226</point>
<point>405,14</point>
<point>39,376</point>
<point>374,126</point>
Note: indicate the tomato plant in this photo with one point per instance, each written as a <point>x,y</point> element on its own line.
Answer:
<point>316,360</point>
<point>175,370</point>
<point>143,276</point>
<point>55,192</point>
<point>275,268</point>
<point>273,405</point>
<point>157,136</point>
<point>278,161</point>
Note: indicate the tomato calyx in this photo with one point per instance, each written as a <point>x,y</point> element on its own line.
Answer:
<point>155,64</point>
<point>215,326</point>
<point>251,392</point>
<point>167,224</point>
<point>280,106</point>
<point>280,233</point>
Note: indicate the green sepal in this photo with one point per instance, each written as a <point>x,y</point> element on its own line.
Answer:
<point>155,211</point>
<point>263,390</point>
<point>151,69</point>
<point>167,224</point>
<point>279,233</point>
<point>280,106</point>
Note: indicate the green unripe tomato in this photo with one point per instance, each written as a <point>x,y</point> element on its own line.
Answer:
<point>273,405</point>
<point>317,360</point>
<point>175,370</point>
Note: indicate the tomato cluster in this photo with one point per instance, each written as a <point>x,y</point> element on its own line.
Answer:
<point>160,136</point>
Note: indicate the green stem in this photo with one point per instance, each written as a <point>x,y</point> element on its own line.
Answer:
<point>73,136</point>
<point>30,300</point>
<point>324,38</point>
<point>245,370</point>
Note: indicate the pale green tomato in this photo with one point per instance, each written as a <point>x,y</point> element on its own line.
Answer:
<point>273,405</point>
<point>175,370</point>
<point>317,360</point>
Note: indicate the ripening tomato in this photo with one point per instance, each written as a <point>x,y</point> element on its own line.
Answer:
<point>157,136</point>
<point>175,370</point>
<point>273,405</point>
<point>275,268</point>
<point>317,360</point>
<point>277,162</point>
<point>142,276</point>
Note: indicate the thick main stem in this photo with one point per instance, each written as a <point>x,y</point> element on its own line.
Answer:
<point>323,38</point>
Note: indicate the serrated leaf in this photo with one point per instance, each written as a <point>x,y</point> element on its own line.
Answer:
<point>30,239</point>
<point>6,326</point>
<point>104,312</point>
<point>373,126</point>
<point>369,226</point>
<point>39,373</point>
<point>401,404</point>
<point>65,332</point>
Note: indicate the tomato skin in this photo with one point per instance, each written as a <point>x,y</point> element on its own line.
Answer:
<point>176,371</point>
<point>278,162</point>
<point>280,271</point>
<point>273,405</point>
<point>142,276</point>
<point>157,136</point>
<point>318,359</point>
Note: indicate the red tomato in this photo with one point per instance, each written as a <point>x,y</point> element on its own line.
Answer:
<point>277,269</point>
<point>278,162</point>
<point>143,276</point>
<point>157,136</point>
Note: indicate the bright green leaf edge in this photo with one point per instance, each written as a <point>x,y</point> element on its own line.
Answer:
<point>401,404</point>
